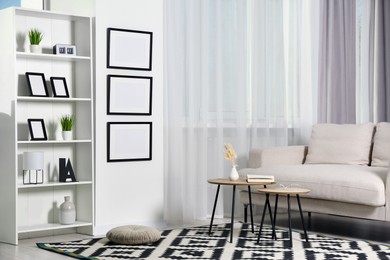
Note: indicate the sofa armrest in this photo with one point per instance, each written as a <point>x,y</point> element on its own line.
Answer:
<point>286,155</point>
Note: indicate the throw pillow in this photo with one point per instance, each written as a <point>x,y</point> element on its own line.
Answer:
<point>381,149</point>
<point>340,144</point>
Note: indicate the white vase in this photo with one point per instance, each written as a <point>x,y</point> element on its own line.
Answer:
<point>34,48</point>
<point>67,212</point>
<point>234,174</point>
<point>67,135</point>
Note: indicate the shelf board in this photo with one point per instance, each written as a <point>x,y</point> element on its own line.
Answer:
<point>51,226</point>
<point>53,184</point>
<point>46,56</point>
<point>54,141</point>
<point>52,99</point>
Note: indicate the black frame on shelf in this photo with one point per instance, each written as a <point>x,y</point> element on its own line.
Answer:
<point>33,130</point>
<point>132,92</point>
<point>37,84</point>
<point>129,49</point>
<point>60,89</point>
<point>129,151</point>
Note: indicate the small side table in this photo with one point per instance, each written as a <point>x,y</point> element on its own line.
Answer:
<point>226,181</point>
<point>288,192</point>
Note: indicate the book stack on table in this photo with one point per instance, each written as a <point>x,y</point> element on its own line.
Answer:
<point>260,178</point>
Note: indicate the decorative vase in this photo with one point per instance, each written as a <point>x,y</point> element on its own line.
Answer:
<point>34,48</point>
<point>67,135</point>
<point>67,212</point>
<point>234,174</point>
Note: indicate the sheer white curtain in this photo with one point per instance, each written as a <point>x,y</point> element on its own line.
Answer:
<point>225,82</point>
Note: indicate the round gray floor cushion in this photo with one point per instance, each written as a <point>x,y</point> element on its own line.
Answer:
<point>133,235</point>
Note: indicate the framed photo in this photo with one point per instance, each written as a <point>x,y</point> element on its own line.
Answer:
<point>129,95</point>
<point>129,49</point>
<point>60,89</point>
<point>129,141</point>
<point>37,84</point>
<point>37,129</point>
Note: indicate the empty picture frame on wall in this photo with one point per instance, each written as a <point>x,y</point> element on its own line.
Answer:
<point>129,141</point>
<point>37,129</point>
<point>60,88</point>
<point>129,49</point>
<point>129,95</point>
<point>37,84</point>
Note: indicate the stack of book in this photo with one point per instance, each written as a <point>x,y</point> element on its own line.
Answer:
<point>260,178</point>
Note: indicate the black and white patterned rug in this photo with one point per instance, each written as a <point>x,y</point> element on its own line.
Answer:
<point>195,243</point>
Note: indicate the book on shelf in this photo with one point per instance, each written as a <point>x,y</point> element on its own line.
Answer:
<point>259,178</point>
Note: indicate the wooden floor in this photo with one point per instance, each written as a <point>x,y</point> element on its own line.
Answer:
<point>374,231</point>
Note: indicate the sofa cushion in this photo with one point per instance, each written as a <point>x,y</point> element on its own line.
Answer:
<point>340,144</point>
<point>381,149</point>
<point>345,183</point>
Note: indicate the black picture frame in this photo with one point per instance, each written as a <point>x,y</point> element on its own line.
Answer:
<point>37,84</point>
<point>129,141</point>
<point>37,129</point>
<point>129,95</point>
<point>59,86</point>
<point>129,49</point>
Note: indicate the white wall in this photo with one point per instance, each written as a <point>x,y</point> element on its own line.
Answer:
<point>129,192</point>
<point>125,192</point>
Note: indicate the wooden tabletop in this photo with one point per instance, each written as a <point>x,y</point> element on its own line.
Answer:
<point>241,181</point>
<point>284,191</point>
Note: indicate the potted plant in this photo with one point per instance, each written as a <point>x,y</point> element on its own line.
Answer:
<point>67,122</point>
<point>35,37</point>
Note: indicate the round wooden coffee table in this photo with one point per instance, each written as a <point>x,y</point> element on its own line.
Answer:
<point>226,181</point>
<point>288,191</point>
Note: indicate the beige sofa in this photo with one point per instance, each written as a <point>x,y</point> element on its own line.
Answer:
<point>346,167</point>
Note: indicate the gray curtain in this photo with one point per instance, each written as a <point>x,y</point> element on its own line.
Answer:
<point>337,62</point>
<point>382,59</point>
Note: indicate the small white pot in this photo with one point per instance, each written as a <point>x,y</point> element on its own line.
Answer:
<point>67,135</point>
<point>35,48</point>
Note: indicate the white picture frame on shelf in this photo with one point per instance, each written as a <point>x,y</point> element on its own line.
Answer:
<point>129,141</point>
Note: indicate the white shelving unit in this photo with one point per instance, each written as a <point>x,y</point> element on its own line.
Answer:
<point>32,210</point>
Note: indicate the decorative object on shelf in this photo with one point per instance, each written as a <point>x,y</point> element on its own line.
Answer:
<point>67,125</point>
<point>129,141</point>
<point>64,49</point>
<point>60,88</point>
<point>129,49</point>
<point>35,36</point>
<point>67,214</point>
<point>66,171</point>
<point>231,156</point>
<point>33,167</point>
<point>37,129</point>
<point>37,84</point>
<point>129,95</point>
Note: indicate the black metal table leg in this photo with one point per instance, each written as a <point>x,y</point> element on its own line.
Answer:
<point>262,217</point>
<point>245,213</point>
<point>303,223</point>
<point>215,205</point>
<point>289,218</point>
<point>274,222</point>
<point>232,220</point>
<point>250,208</point>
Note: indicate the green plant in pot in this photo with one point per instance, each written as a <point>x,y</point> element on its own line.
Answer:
<point>67,122</point>
<point>35,36</point>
